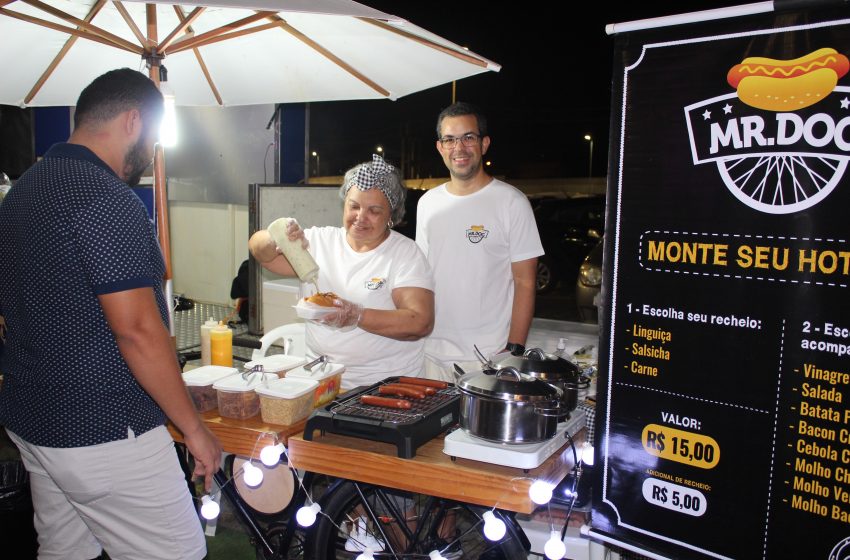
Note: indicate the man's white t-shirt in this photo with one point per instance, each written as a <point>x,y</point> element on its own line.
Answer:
<point>368,279</point>
<point>470,242</point>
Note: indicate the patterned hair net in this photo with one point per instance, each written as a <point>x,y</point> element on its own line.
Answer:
<point>377,175</point>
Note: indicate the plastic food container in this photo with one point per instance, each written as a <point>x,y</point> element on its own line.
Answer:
<point>286,401</point>
<point>236,396</point>
<point>200,382</point>
<point>278,364</point>
<point>329,379</point>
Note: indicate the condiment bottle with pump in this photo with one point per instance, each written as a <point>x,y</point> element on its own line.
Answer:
<point>299,258</point>
<point>206,358</point>
<point>221,345</point>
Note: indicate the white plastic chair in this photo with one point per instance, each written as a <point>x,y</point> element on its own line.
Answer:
<point>293,336</point>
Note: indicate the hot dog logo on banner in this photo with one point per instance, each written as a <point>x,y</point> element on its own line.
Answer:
<point>781,142</point>
<point>476,234</point>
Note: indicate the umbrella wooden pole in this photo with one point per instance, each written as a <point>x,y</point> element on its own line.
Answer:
<point>159,186</point>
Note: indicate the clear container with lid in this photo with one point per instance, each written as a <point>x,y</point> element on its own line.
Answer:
<point>286,401</point>
<point>278,364</point>
<point>328,376</point>
<point>236,395</point>
<point>199,382</point>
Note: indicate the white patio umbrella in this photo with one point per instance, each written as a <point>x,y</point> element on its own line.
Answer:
<point>233,52</point>
<point>225,52</point>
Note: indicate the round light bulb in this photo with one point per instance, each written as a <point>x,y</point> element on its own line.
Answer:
<point>494,528</point>
<point>540,492</point>
<point>270,454</point>
<point>367,554</point>
<point>554,549</point>
<point>306,516</point>
<point>209,508</point>
<point>435,555</point>
<point>252,475</point>
<point>587,455</point>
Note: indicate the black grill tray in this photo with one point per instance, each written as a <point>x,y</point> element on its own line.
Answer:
<point>406,429</point>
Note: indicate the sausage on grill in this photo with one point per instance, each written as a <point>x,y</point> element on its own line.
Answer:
<point>437,384</point>
<point>428,390</point>
<point>402,391</point>
<point>385,402</point>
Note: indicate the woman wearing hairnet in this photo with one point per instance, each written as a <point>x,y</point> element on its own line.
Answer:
<point>386,299</point>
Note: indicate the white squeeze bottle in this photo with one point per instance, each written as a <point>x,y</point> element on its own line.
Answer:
<point>301,260</point>
<point>206,358</point>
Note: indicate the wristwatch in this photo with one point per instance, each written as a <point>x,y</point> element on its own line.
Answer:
<point>515,348</point>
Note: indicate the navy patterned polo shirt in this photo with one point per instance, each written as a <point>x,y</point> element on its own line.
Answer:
<point>71,230</point>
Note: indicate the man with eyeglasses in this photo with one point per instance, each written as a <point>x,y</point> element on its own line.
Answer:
<point>481,240</point>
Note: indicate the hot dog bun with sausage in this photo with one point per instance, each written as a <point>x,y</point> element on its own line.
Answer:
<point>788,85</point>
<point>325,299</point>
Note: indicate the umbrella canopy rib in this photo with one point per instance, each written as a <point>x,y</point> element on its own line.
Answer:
<point>329,55</point>
<point>184,23</point>
<point>181,16</point>
<point>443,49</point>
<point>213,35</point>
<point>71,31</point>
<point>115,39</point>
<point>61,54</point>
<point>130,23</point>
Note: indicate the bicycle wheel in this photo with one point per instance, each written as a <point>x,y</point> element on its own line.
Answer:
<point>284,545</point>
<point>398,524</point>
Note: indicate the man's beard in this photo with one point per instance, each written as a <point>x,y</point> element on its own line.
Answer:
<point>135,162</point>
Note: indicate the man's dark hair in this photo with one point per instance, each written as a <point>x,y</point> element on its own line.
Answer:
<point>461,109</point>
<point>117,91</point>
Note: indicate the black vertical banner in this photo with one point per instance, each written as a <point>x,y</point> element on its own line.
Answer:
<point>723,428</point>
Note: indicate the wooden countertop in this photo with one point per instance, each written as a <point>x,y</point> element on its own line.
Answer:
<point>430,472</point>
<point>244,437</point>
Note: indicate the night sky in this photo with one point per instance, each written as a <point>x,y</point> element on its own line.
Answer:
<point>554,87</point>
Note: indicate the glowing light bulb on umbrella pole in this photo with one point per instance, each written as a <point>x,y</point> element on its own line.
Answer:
<point>168,127</point>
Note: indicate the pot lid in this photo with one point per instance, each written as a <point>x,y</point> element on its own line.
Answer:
<point>508,384</point>
<point>537,363</point>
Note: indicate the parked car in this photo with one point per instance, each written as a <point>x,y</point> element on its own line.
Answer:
<point>589,285</point>
<point>569,228</point>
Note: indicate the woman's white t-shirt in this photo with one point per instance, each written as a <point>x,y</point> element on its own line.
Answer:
<point>368,279</point>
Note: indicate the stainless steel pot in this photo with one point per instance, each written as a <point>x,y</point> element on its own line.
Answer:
<point>508,406</point>
<point>553,369</point>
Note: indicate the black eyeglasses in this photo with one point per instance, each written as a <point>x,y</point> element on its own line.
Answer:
<point>468,139</point>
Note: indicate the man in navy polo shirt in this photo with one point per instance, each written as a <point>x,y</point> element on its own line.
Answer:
<point>90,372</point>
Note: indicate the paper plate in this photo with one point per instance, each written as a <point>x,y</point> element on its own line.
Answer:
<point>311,311</point>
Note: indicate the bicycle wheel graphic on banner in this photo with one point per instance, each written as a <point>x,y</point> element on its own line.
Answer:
<point>781,184</point>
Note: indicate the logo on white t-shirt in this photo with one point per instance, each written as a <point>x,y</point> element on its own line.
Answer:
<point>375,283</point>
<point>476,233</point>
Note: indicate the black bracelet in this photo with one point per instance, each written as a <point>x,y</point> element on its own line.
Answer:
<point>515,348</point>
